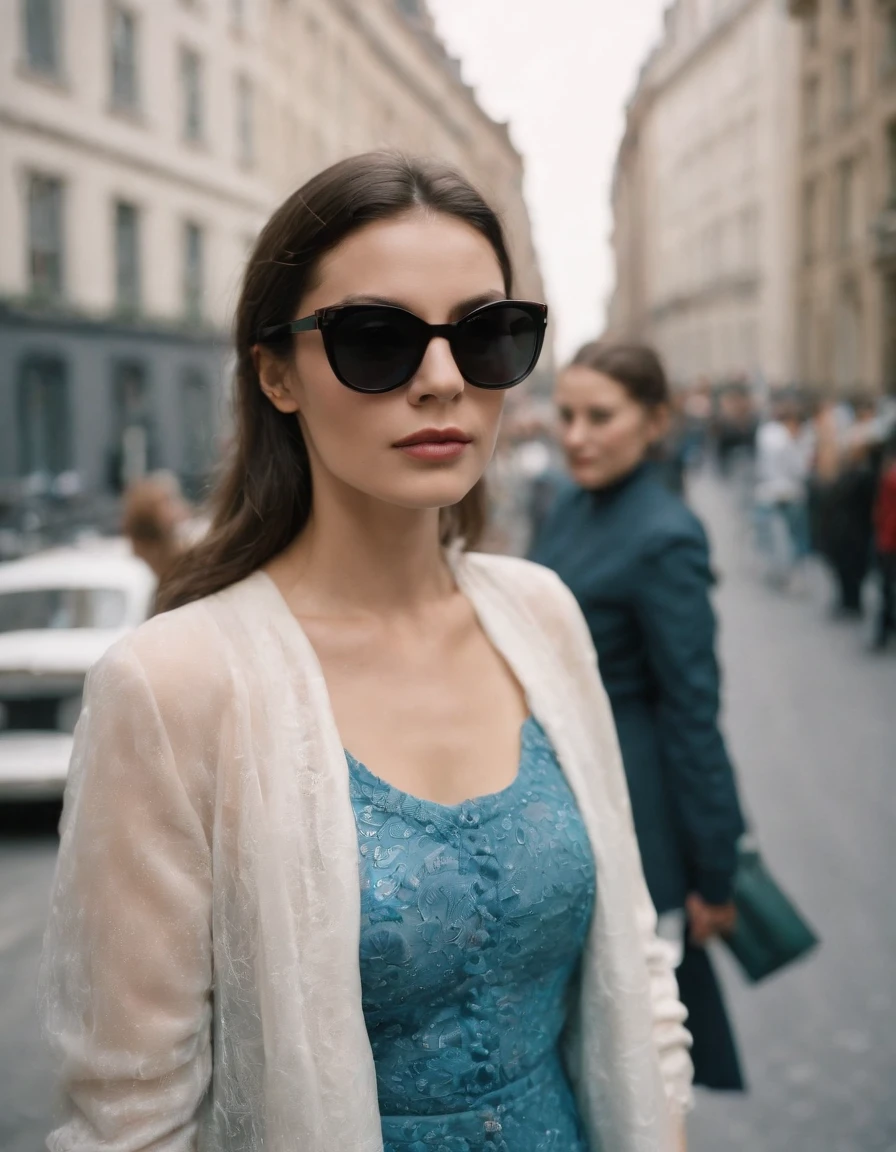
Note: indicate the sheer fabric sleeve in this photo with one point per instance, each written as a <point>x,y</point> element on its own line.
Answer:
<point>125,981</point>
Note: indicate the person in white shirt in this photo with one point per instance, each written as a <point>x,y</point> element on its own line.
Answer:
<point>784,449</point>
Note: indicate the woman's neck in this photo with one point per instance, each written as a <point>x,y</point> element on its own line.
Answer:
<point>360,556</point>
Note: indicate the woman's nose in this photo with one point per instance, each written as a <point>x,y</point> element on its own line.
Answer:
<point>438,375</point>
<point>572,435</point>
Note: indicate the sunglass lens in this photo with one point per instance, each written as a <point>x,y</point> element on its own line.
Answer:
<point>375,349</point>
<point>498,345</point>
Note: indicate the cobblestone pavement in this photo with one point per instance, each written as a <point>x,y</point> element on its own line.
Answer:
<point>812,725</point>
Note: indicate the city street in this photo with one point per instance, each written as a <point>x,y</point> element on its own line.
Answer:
<point>812,725</point>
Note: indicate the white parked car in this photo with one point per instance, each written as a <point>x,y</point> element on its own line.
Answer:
<point>59,612</point>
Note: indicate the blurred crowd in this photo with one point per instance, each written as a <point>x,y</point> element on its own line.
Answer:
<point>816,478</point>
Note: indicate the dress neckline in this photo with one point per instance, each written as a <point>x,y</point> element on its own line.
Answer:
<point>390,794</point>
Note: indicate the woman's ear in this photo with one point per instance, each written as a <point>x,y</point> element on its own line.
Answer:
<point>274,379</point>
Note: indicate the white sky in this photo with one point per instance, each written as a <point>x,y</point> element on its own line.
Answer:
<point>560,71</point>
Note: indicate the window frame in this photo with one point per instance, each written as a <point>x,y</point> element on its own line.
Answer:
<point>890,129</point>
<point>128,303</point>
<point>52,69</point>
<point>847,174</point>
<point>40,362</point>
<point>197,451</point>
<point>245,120</point>
<point>193,294</point>
<point>48,291</point>
<point>121,370</point>
<point>846,85</point>
<point>124,103</point>
<point>192,126</point>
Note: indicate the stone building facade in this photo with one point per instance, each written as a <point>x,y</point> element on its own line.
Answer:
<point>846,276</point>
<point>703,195</point>
<point>142,145</point>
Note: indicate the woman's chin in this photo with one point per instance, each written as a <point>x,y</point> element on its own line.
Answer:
<point>436,492</point>
<point>587,476</point>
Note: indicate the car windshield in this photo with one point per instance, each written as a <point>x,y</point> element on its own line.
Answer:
<point>62,608</point>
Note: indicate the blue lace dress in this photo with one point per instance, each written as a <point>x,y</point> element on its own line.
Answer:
<point>473,918</point>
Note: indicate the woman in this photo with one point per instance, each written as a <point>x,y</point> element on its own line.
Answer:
<point>637,561</point>
<point>346,857</point>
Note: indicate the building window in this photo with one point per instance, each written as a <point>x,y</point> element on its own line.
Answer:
<point>846,7</point>
<point>198,422</point>
<point>127,258</point>
<point>238,14</point>
<point>812,93</point>
<point>131,451</point>
<point>43,41</point>
<point>846,72</point>
<point>44,423</point>
<point>245,122</point>
<point>847,339</point>
<point>810,208</point>
<point>193,271</point>
<point>810,27</point>
<point>45,236</point>
<point>125,93</point>
<point>846,178</point>
<point>888,50</point>
<point>891,165</point>
<point>191,89</point>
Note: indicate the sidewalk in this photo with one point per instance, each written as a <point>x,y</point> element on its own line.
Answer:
<point>811,719</point>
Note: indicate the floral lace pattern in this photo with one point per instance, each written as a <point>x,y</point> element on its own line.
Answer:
<point>473,919</point>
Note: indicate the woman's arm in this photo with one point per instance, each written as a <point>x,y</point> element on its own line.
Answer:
<point>127,965</point>
<point>679,630</point>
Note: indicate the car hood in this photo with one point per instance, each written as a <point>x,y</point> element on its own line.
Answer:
<point>51,651</point>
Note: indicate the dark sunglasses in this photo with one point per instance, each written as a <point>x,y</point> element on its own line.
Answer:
<point>378,347</point>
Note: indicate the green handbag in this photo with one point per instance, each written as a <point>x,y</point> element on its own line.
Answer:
<point>770,933</point>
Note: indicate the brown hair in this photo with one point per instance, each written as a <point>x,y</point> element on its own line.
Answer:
<point>635,366</point>
<point>262,500</point>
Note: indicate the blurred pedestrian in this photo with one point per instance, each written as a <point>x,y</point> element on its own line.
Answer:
<point>637,560</point>
<point>885,541</point>
<point>154,520</point>
<point>255,941</point>
<point>783,461</point>
<point>850,498</point>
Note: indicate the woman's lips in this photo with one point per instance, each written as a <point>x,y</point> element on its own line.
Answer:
<point>435,449</point>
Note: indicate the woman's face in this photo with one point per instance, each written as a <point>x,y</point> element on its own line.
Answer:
<point>605,433</point>
<point>440,269</point>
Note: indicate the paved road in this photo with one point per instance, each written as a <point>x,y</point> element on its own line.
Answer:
<point>812,724</point>
<point>27,855</point>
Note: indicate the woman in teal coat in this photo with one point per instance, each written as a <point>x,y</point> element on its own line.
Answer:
<point>637,560</point>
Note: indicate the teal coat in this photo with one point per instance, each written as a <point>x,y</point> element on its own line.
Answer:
<point>637,560</point>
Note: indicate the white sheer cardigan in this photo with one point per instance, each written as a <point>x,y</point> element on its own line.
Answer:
<point>200,977</point>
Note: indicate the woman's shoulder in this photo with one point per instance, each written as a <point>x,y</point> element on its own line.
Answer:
<point>525,588</point>
<point>665,520</point>
<point>527,577</point>
<point>189,652</point>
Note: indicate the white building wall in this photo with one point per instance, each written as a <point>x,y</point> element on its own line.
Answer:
<point>718,157</point>
<point>325,85</point>
<point>328,78</point>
